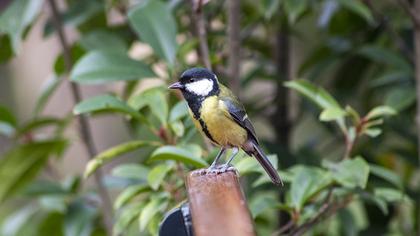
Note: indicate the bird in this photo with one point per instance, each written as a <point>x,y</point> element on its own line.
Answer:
<point>222,118</point>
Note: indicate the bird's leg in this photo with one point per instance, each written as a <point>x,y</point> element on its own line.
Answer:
<point>220,154</point>
<point>226,166</point>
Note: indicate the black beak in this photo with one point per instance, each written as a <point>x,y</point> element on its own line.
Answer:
<point>176,85</point>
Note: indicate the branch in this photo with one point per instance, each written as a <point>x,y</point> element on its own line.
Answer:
<point>200,31</point>
<point>327,209</point>
<point>84,128</point>
<point>410,11</point>
<point>234,39</point>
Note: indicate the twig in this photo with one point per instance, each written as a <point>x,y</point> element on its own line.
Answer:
<point>415,17</point>
<point>84,128</point>
<point>289,225</point>
<point>200,31</point>
<point>326,210</point>
<point>234,45</point>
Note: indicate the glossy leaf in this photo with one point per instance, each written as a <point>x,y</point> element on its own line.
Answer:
<point>178,111</point>
<point>48,88</point>
<point>21,164</point>
<point>129,193</point>
<point>177,154</point>
<point>317,94</point>
<point>391,195</point>
<point>332,113</point>
<point>151,209</point>
<point>38,123</point>
<point>131,171</point>
<point>386,56</point>
<point>8,122</point>
<point>107,66</point>
<point>16,221</point>
<point>155,25</point>
<point>351,173</point>
<point>105,103</point>
<point>112,153</point>
<point>155,100</point>
<point>102,40</point>
<point>307,182</point>
<point>157,174</point>
<point>358,8</point>
<point>17,17</point>
<point>79,219</point>
<point>387,175</point>
<point>127,216</point>
<point>380,111</point>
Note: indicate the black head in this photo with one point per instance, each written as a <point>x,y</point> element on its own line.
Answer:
<point>197,82</point>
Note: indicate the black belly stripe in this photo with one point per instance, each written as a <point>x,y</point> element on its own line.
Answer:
<point>205,130</point>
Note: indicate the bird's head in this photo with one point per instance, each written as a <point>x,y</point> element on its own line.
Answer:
<point>197,82</point>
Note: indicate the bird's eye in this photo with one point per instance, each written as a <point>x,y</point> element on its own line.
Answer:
<point>192,80</point>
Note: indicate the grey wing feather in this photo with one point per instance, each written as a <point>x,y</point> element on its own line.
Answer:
<point>238,113</point>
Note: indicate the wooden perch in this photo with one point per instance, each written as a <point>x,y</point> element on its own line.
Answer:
<point>217,204</point>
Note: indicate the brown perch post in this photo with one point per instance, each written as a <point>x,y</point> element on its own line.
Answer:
<point>218,205</point>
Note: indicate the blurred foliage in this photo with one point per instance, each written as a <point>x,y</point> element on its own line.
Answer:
<point>363,174</point>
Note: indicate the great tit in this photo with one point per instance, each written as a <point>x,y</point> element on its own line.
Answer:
<point>217,113</point>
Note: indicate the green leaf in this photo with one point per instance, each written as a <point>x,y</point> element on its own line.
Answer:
<point>8,122</point>
<point>129,193</point>
<point>351,173</point>
<point>317,94</point>
<point>380,111</point>
<point>127,216</point>
<point>178,128</point>
<point>372,132</point>
<point>151,209</point>
<point>401,98</point>
<point>157,174</point>
<point>307,182</point>
<point>155,100</point>
<point>102,40</point>
<point>390,195</point>
<point>387,175</point>
<point>107,66</point>
<point>79,12</point>
<point>17,17</point>
<point>332,113</point>
<point>38,123</point>
<point>179,111</point>
<point>155,25</point>
<point>294,9</point>
<point>113,152</point>
<point>21,164</point>
<point>16,221</point>
<point>48,88</point>
<point>384,55</point>
<point>76,52</point>
<point>105,103</point>
<point>131,171</point>
<point>79,219</point>
<point>177,154</point>
<point>262,202</point>
<point>358,8</point>
<point>6,50</point>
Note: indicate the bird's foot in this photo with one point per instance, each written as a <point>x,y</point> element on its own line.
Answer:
<point>219,169</point>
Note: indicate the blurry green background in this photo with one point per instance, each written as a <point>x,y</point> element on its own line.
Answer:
<point>121,55</point>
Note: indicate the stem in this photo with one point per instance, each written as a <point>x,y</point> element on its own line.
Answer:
<point>327,209</point>
<point>280,118</point>
<point>84,128</point>
<point>234,39</point>
<point>200,31</point>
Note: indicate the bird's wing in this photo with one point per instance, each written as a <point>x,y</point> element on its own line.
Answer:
<point>237,111</point>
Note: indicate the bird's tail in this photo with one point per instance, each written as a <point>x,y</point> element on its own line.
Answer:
<point>256,151</point>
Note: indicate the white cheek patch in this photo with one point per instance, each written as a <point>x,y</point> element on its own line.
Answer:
<point>202,87</point>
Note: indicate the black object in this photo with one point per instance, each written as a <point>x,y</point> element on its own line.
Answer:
<point>177,222</point>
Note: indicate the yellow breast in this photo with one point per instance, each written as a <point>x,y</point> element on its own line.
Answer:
<point>222,128</point>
